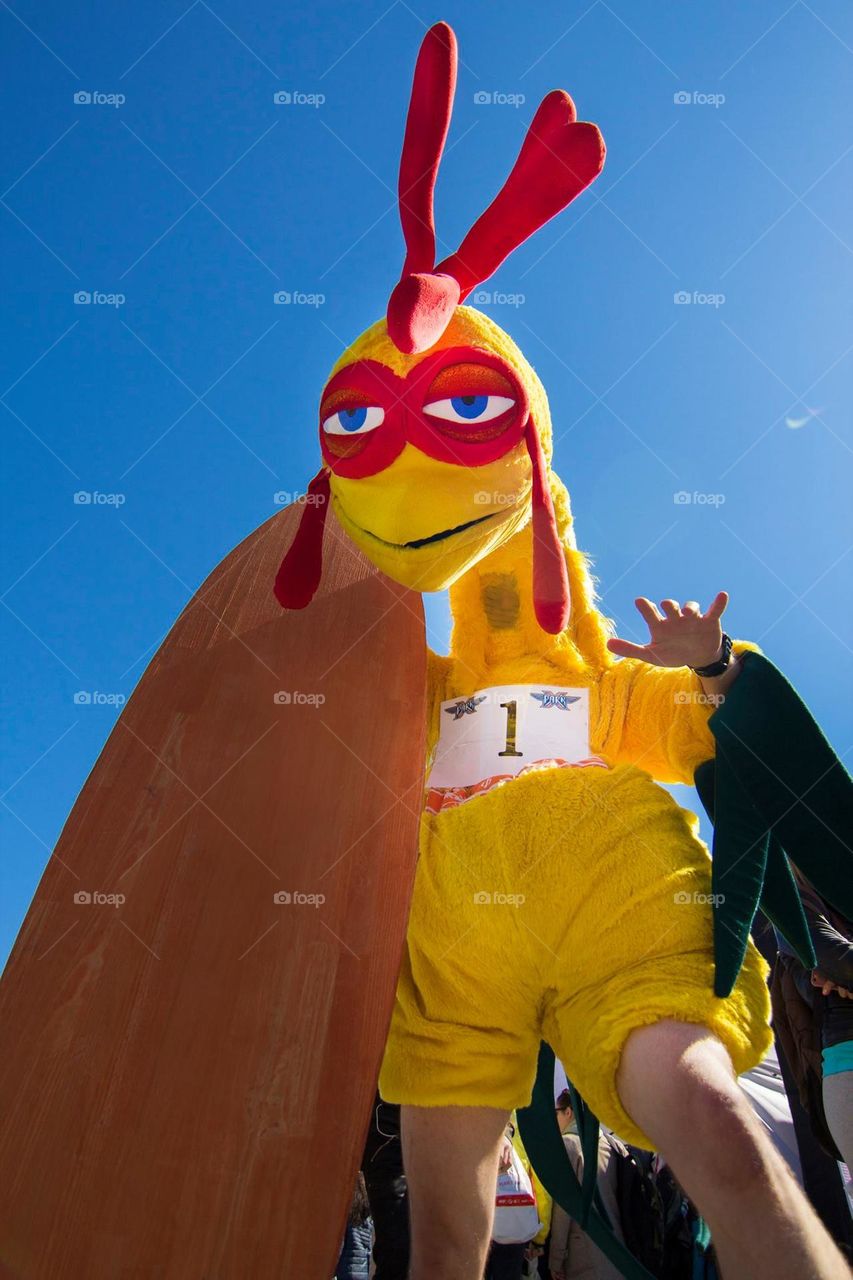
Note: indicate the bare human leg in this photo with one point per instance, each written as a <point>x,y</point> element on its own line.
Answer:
<point>451,1160</point>
<point>677,1083</point>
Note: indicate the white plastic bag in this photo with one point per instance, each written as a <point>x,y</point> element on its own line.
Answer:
<point>516,1215</point>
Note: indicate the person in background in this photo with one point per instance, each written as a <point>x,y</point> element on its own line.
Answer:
<point>387,1191</point>
<point>544,1206</point>
<point>817,1033</point>
<point>513,1260</point>
<point>572,1255</point>
<point>354,1262</point>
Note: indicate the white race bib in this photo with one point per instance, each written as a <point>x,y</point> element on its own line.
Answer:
<point>501,731</point>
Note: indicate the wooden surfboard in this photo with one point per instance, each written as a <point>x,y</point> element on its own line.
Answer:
<point>194,1013</point>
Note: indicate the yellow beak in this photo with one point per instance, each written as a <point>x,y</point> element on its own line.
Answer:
<point>424,523</point>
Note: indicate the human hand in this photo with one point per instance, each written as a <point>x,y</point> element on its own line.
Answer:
<point>681,636</point>
<point>821,981</point>
<point>505,1157</point>
<point>826,985</point>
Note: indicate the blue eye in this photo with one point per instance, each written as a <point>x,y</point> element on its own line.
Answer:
<point>469,406</point>
<point>352,419</point>
<point>476,408</point>
<point>351,422</point>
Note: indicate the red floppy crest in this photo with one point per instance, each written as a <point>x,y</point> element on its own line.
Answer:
<point>559,158</point>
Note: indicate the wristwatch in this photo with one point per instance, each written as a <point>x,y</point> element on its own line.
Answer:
<point>717,668</point>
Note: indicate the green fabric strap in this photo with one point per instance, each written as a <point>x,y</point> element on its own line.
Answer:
<point>588,1131</point>
<point>781,903</point>
<point>778,789</point>
<point>780,897</point>
<point>544,1145</point>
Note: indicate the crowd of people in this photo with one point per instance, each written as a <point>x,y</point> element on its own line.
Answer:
<point>645,1208</point>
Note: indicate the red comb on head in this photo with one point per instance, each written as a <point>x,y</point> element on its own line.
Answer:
<point>422,303</point>
<point>430,108</point>
<point>558,159</point>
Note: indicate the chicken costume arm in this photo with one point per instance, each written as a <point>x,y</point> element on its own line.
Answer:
<point>664,715</point>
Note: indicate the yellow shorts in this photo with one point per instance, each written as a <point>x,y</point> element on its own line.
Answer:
<point>570,905</point>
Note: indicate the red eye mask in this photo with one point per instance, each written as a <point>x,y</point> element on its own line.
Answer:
<point>462,406</point>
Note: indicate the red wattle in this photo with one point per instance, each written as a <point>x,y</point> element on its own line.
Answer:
<point>551,599</point>
<point>299,575</point>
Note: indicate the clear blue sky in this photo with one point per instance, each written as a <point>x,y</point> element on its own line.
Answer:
<point>198,197</point>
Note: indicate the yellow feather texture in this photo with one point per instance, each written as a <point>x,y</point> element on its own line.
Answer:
<point>609,926</point>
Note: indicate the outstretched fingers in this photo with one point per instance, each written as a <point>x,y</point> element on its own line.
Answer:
<point>718,605</point>
<point>648,611</point>
<point>625,649</point>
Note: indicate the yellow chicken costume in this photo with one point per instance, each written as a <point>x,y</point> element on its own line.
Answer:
<point>560,894</point>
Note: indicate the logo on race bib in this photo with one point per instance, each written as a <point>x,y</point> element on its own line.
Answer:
<point>466,707</point>
<point>547,698</point>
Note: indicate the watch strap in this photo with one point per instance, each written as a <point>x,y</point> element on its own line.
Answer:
<point>717,668</point>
